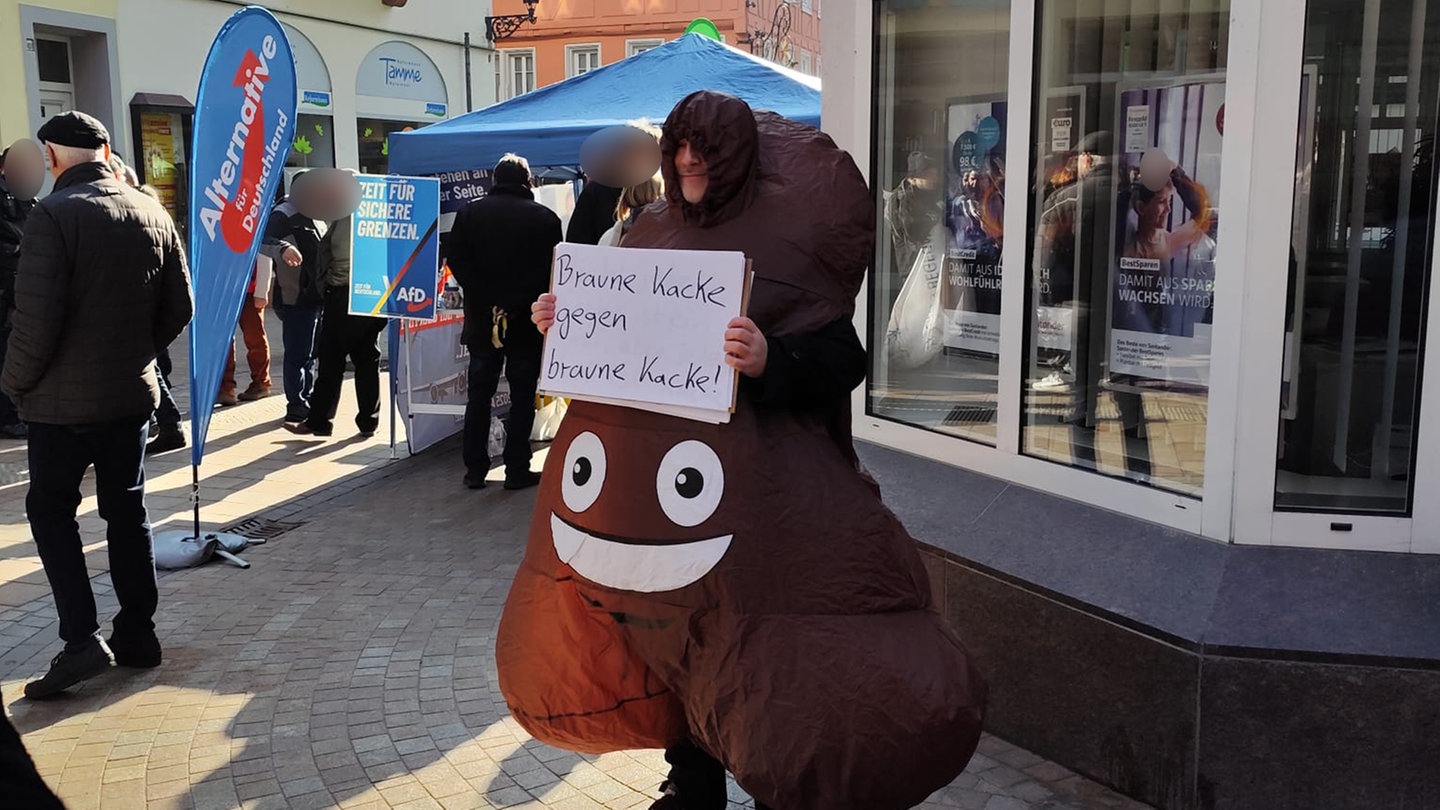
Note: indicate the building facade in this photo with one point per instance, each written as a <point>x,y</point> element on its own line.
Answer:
<point>1169,446</point>
<point>135,64</point>
<point>571,38</point>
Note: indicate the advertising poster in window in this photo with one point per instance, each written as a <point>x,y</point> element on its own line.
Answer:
<point>158,138</point>
<point>1163,275</point>
<point>1055,257</point>
<point>974,220</point>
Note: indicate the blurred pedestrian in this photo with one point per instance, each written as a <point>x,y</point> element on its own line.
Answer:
<point>343,335</point>
<point>257,343</point>
<point>297,300</point>
<point>101,286</point>
<point>14,209</point>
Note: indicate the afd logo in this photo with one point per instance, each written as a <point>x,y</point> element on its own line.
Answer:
<point>415,298</point>
<point>400,73</point>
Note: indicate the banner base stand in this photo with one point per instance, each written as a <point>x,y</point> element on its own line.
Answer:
<point>178,548</point>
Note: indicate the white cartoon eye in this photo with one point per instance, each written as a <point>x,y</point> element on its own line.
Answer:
<point>584,472</point>
<point>690,483</point>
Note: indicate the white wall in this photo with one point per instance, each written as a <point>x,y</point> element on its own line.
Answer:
<point>845,36</point>
<point>163,44</point>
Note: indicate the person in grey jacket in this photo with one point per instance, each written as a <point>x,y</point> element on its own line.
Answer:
<point>102,285</point>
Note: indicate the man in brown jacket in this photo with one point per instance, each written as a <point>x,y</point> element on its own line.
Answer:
<point>102,285</point>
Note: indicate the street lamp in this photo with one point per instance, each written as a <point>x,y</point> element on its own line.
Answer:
<point>504,25</point>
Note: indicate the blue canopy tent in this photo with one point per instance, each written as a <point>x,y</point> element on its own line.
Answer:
<point>548,125</point>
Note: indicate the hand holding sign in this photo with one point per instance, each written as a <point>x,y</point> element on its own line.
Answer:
<point>746,349</point>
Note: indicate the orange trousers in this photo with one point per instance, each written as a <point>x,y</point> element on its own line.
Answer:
<point>257,348</point>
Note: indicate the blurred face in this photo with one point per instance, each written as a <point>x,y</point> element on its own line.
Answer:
<point>694,173</point>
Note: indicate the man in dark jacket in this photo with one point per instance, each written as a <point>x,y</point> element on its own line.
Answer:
<point>298,301</point>
<point>343,335</point>
<point>500,250</point>
<point>102,284</point>
<point>13,211</point>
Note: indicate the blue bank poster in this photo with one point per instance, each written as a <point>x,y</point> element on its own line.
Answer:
<point>395,258</point>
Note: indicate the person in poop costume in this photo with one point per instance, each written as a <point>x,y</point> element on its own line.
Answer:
<point>738,594</point>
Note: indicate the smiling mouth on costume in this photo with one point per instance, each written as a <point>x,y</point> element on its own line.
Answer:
<point>635,565</point>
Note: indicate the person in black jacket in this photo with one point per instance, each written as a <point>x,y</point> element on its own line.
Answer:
<point>500,250</point>
<point>298,302</point>
<point>102,285</point>
<point>13,212</point>
<point>594,213</point>
<point>20,783</point>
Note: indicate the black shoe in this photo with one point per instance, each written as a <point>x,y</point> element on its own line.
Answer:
<point>524,480</point>
<point>474,481</point>
<point>696,781</point>
<point>139,652</point>
<point>69,668</point>
<point>165,440</point>
<point>15,431</point>
<point>671,799</point>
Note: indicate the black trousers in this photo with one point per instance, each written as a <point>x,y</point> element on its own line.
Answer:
<point>520,362</point>
<point>20,783</point>
<point>59,456</point>
<point>168,414</point>
<point>342,336</point>
<point>8,414</point>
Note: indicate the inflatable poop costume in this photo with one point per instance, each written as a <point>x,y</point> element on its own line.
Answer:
<point>742,585</point>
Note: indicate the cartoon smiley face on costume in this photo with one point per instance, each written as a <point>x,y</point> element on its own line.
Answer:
<point>665,545</point>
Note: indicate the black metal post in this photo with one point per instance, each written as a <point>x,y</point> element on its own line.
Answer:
<point>195,496</point>
<point>469,103</point>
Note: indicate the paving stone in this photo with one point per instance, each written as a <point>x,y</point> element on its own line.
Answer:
<point>352,666</point>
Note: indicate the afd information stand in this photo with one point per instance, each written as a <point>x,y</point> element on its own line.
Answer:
<point>430,382</point>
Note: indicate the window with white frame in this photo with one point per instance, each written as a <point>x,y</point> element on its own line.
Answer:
<point>807,6</point>
<point>581,59</point>
<point>806,66</point>
<point>634,46</point>
<point>519,71</point>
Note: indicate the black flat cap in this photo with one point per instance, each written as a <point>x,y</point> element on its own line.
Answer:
<point>74,129</point>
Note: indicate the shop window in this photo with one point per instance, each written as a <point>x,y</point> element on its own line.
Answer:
<point>374,136</point>
<point>1130,115</point>
<point>314,146</point>
<point>940,136</point>
<point>1361,253</point>
<point>581,59</point>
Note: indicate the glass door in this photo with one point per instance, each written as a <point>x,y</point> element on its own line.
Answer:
<point>1358,258</point>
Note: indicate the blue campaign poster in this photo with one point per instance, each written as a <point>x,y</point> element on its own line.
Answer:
<point>244,126</point>
<point>395,258</point>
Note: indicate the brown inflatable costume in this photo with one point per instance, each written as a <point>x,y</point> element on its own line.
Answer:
<point>742,585</point>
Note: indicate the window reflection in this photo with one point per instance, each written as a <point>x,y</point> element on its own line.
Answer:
<point>1130,114</point>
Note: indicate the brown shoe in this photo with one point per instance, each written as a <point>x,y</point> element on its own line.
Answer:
<point>227,398</point>
<point>254,392</point>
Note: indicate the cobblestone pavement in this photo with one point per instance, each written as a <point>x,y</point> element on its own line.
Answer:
<point>352,666</point>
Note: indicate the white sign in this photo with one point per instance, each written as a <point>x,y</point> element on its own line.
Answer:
<point>1060,134</point>
<point>644,328</point>
<point>1137,128</point>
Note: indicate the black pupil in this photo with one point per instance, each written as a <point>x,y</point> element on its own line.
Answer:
<point>689,483</point>
<point>581,473</point>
